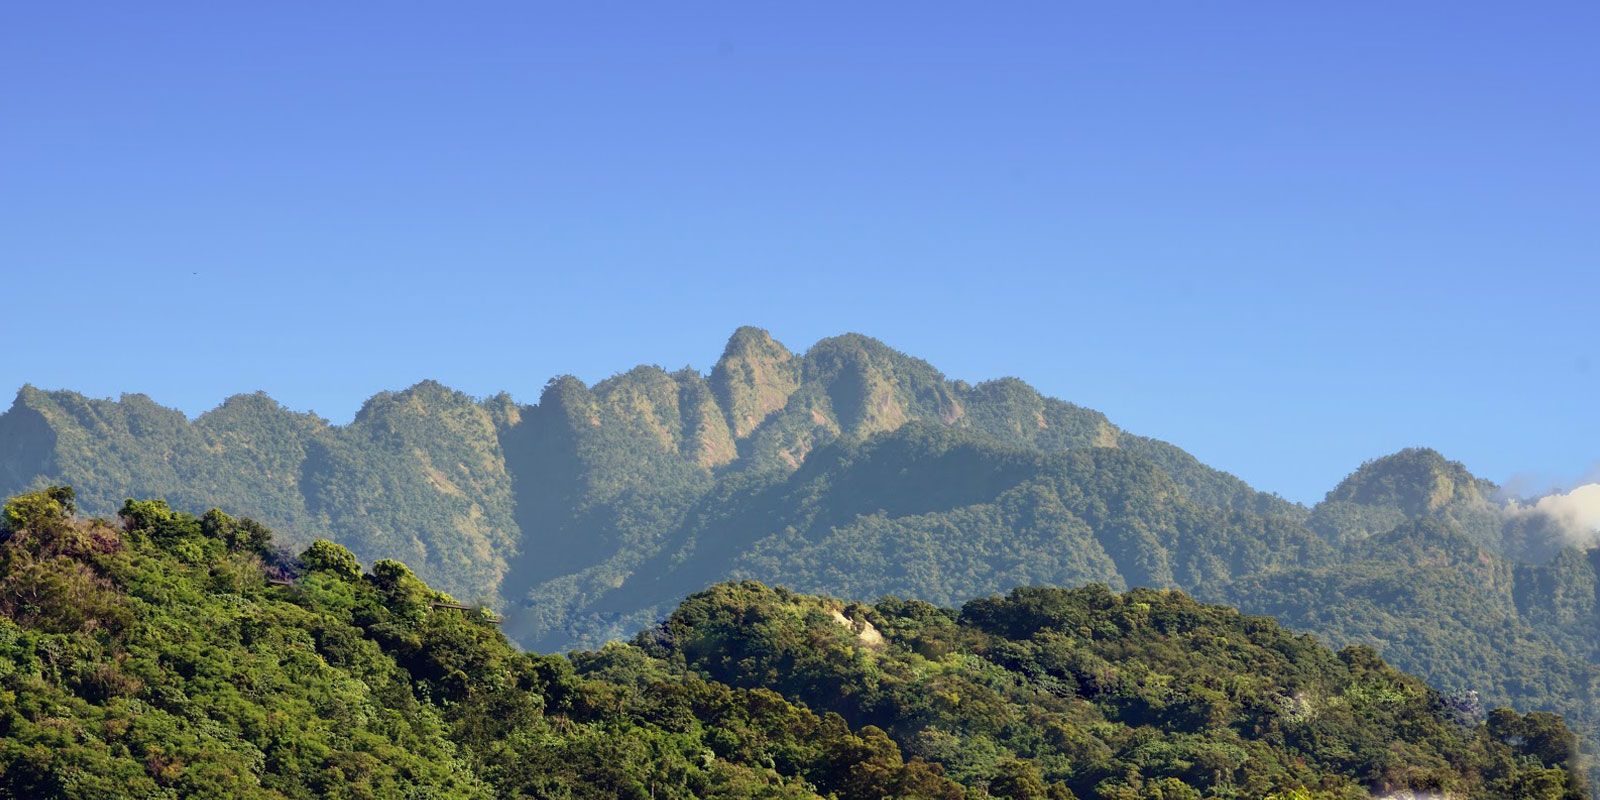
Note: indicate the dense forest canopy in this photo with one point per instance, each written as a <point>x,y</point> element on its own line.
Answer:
<point>855,471</point>
<point>166,655</point>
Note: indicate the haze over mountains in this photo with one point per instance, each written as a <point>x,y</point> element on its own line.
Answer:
<point>858,471</point>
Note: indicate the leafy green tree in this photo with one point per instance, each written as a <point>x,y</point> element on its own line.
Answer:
<point>45,510</point>
<point>325,556</point>
<point>1019,780</point>
<point>239,535</point>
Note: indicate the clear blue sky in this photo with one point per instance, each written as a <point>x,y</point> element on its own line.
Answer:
<point>1286,236</point>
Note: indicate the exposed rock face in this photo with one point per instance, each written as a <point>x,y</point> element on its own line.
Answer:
<point>707,439</point>
<point>867,634</point>
<point>753,380</point>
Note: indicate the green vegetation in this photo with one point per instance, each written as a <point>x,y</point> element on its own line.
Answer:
<point>851,470</point>
<point>1137,695</point>
<point>942,513</point>
<point>1426,594</point>
<point>1411,484</point>
<point>417,475</point>
<point>167,655</point>
<point>557,504</point>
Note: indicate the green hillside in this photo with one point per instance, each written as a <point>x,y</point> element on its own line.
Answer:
<point>944,514</point>
<point>165,655</point>
<point>1412,484</point>
<point>418,474</point>
<point>853,470</point>
<point>1426,595</point>
<point>560,501</point>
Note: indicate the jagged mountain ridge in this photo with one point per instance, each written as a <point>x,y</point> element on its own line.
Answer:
<point>459,486</point>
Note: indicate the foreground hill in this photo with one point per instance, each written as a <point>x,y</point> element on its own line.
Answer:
<point>1426,595</point>
<point>165,655</point>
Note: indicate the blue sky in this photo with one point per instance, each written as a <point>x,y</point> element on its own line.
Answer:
<point>1287,237</point>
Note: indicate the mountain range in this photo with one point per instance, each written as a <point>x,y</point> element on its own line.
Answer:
<point>854,470</point>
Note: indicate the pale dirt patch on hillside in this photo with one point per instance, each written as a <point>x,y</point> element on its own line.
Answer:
<point>868,635</point>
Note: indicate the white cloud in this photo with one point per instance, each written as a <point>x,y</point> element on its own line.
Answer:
<point>1576,514</point>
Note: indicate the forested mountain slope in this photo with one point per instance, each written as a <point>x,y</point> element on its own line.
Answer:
<point>1409,485</point>
<point>946,514</point>
<point>852,470</point>
<point>561,500</point>
<point>163,655</point>
<point>1427,596</point>
<point>418,474</point>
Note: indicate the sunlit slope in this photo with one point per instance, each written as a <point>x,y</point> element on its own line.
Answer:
<point>853,470</point>
<point>945,514</point>
<point>564,498</point>
<point>161,655</point>
<point>418,474</point>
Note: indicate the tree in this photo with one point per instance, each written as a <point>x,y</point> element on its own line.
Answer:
<point>325,556</point>
<point>43,511</point>
<point>240,535</point>
<point>1018,780</point>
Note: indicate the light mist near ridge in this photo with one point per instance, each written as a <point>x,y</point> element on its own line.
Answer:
<point>1575,514</point>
